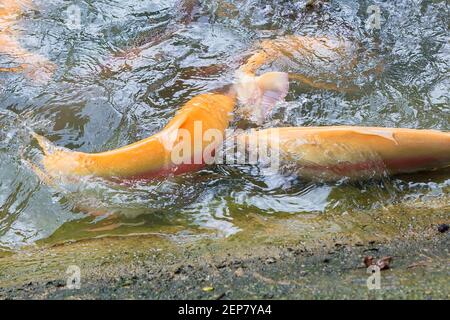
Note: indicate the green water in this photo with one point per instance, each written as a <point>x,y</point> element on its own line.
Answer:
<point>102,97</point>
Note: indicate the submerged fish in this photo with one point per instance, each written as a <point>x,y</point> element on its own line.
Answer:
<point>33,65</point>
<point>325,62</point>
<point>311,54</point>
<point>332,153</point>
<point>186,143</point>
<point>318,152</point>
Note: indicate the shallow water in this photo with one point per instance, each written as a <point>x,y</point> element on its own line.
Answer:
<point>103,96</point>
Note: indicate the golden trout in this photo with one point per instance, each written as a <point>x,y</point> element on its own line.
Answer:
<point>332,153</point>
<point>324,63</point>
<point>186,143</point>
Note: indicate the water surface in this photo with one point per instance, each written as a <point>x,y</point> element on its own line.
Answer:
<point>105,94</point>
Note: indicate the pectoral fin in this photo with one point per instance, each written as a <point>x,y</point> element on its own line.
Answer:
<point>47,147</point>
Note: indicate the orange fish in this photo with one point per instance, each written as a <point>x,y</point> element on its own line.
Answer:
<point>325,54</point>
<point>34,65</point>
<point>186,143</point>
<point>324,62</point>
<point>331,153</point>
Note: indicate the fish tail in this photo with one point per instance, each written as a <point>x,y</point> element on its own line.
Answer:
<point>47,147</point>
<point>41,174</point>
<point>59,162</point>
<point>261,93</point>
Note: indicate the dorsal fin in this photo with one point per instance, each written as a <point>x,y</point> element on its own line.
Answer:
<point>47,147</point>
<point>386,134</point>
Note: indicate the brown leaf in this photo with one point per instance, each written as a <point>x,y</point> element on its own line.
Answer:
<point>384,263</point>
<point>368,261</point>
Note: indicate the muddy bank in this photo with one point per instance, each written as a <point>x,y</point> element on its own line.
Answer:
<point>420,271</point>
<point>294,257</point>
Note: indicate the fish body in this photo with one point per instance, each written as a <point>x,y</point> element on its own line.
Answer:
<point>152,156</point>
<point>332,153</point>
<point>310,54</point>
<point>35,66</point>
<point>10,11</point>
<point>327,63</point>
<point>186,143</point>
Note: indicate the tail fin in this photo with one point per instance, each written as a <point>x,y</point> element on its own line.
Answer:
<point>47,147</point>
<point>58,161</point>
<point>259,94</point>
